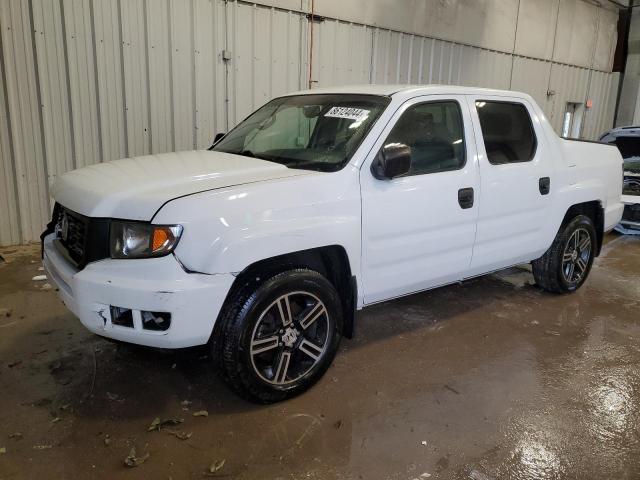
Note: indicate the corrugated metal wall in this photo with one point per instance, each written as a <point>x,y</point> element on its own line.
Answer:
<point>84,81</point>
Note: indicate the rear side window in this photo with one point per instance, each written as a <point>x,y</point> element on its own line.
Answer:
<point>507,131</point>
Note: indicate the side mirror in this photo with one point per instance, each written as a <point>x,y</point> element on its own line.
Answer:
<point>392,161</point>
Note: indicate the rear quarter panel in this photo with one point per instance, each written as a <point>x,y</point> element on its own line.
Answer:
<point>584,172</point>
<point>594,172</point>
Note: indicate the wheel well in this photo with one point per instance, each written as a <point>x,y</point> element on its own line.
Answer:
<point>331,261</point>
<point>595,212</point>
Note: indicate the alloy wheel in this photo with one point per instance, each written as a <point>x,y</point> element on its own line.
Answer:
<point>576,256</point>
<point>289,338</point>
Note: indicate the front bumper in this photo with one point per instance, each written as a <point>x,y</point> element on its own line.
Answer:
<point>154,284</point>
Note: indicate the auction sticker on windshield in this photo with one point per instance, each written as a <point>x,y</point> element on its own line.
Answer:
<point>348,112</point>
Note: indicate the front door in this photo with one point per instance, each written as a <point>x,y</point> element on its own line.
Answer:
<point>418,230</point>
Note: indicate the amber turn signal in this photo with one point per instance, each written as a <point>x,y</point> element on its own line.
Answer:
<point>160,238</point>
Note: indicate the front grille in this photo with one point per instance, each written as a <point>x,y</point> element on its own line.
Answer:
<point>82,239</point>
<point>71,230</point>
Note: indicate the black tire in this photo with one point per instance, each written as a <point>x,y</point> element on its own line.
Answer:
<point>255,309</point>
<point>552,271</point>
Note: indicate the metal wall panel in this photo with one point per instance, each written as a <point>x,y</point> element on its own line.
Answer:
<point>160,76</point>
<point>110,76</point>
<point>84,81</point>
<point>342,53</point>
<point>266,44</point>
<point>183,65</point>
<point>570,85</point>
<point>81,70</point>
<point>485,68</point>
<point>9,226</point>
<point>536,28</point>
<point>603,90</point>
<point>209,70</point>
<point>54,100</point>
<point>532,76</point>
<point>575,40</point>
<point>136,82</point>
<point>25,125</point>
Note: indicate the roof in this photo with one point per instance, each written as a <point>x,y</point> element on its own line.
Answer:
<point>414,89</point>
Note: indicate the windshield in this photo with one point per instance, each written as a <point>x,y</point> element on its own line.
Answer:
<point>315,132</point>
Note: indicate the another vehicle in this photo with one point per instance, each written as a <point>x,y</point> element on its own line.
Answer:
<point>627,139</point>
<point>318,204</point>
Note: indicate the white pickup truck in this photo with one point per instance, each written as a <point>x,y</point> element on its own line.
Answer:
<point>319,204</point>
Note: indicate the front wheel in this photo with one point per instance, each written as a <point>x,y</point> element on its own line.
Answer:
<point>565,266</point>
<point>279,337</point>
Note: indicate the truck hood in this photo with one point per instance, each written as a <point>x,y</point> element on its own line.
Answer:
<point>135,188</point>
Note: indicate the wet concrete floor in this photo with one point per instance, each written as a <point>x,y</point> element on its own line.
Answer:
<point>490,379</point>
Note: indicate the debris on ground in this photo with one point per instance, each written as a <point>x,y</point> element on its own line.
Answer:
<point>476,475</point>
<point>180,435</point>
<point>39,278</point>
<point>114,397</point>
<point>15,435</point>
<point>423,476</point>
<point>132,460</point>
<point>46,286</point>
<point>157,424</point>
<point>107,440</point>
<point>56,420</point>
<point>201,413</point>
<point>3,450</point>
<point>5,312</point>
<point>215,466</point>
<point>451,389</point>
<point>42,447</point>
<point>14,364</point>
<point>424,442</point>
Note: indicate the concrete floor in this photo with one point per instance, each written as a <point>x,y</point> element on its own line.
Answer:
<point>489,379</point>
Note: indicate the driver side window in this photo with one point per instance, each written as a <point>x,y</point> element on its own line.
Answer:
<point>434,132</point>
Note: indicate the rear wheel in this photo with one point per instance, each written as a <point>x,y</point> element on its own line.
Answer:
<point>565,266</point>
<point>278,338</point>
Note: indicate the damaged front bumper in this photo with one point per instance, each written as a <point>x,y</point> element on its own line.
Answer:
<point>100,290</point>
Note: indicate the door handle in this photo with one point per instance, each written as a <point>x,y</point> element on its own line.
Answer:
<point>465,197</point>
<point>544,185</point>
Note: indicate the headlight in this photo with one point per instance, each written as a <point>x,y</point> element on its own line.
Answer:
<point>142,240</point>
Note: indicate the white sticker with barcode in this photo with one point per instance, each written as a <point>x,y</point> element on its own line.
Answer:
<point>350,113</point>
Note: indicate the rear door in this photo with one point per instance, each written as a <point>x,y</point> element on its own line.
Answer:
<point>516,182</point>
<point>418,230</point>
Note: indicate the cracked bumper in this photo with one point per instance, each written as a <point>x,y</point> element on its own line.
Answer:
<point>155,284</point>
